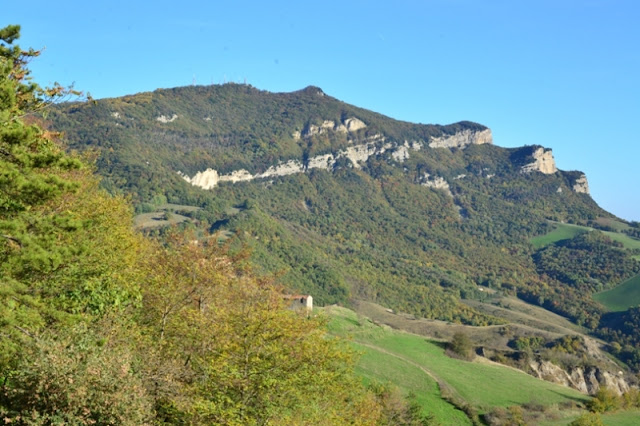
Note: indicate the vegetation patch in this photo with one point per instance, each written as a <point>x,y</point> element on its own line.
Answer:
<point>622,297</point>
<point>612,223</point>
<point>627,241</point>
<point>562,231</point>
<point>478,387</point>
<point>157,220</point>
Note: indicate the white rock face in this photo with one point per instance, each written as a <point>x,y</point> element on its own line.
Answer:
<point>288,168</point>
<point>165,119</point>
<point>328,124</point>
<point>543,162</point>
<point>401,153</point>
<point>581,185</point>
<point>349,125</point>
<point>357,154</point>
<point>115,114</point>
<point>207,179</point>
<point>463,139</point>
<point>325,162</point>
<point>587,381</point>
<point>241,175</point>
<point>353,124</point>
<point>436,182</point>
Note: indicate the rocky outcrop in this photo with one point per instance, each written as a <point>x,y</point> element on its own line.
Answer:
<point>401,153</point>
<point>581,185</point>
<point>584,379</point>
<point>349,125</point>
<point>283,169</point>
<point>543,162</point>
<point>166,119</point>
<point>462,139</point>
<point>436,182</point>
<point>353,124</point>
<point>356,154</point>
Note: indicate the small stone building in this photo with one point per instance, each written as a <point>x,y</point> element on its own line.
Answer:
<point>300,301</point>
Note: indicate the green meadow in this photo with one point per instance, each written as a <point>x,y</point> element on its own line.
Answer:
<point>622,297</point>
<point>563,231</point>
<point>418,365</point>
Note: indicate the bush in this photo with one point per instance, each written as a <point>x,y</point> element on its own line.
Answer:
<point>605,400</point>
<point>461,345</point>
<point>587,419</point>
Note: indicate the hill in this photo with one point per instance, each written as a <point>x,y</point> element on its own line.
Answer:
<point>472,389</point>
<point>345,203</point>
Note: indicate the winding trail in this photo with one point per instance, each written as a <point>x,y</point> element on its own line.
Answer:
<point>447,392</point>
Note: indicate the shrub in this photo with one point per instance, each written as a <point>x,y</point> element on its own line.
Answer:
<point>461,345</point>
<point>605,400</point>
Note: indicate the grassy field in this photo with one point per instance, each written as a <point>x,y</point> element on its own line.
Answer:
<point>381,367</point>
<point>622,418</point>
<point>627,241</point>
<point>479,385</point>
<point>622,297</point>
<point>157,220</point>
<point>563,231</point>
<point>165,215</point>
<point>619,418</point>
<point>615,224</point>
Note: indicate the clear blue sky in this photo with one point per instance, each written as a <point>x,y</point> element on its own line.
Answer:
<point>563,74</point>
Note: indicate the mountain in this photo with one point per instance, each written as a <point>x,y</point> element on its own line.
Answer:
<point>345,203</point>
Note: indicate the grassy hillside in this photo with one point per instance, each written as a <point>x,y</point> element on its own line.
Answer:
<point>566,231</point>
<point>622,297</point>
<point>479,386</point>
<point>561,231</point>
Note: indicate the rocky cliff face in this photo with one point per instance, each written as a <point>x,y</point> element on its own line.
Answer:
<point>543,162</point>
<point>357,154</point>
<point>462,139</point>
<point>584,379</point>
<point>581,185</point>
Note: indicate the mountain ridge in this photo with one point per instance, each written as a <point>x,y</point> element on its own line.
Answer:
<point>412,215</point>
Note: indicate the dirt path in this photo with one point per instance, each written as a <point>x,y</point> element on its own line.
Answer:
<point>447,392</point>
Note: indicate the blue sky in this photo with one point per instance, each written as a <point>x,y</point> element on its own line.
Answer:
<point>563,74</point>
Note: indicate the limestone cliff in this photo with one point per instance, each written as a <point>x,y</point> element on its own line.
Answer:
<point>581,185</point>
<point>462,139</point>
<point>543,162</point>
<point>584,379</point>
<point>357,154</point>
<point>349,125</point>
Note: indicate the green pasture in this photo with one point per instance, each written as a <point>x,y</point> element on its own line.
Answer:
<point>157,219</point>
<point>563,231</point>
<point>627,241</point>
<point>380,367</point>
<point>480,385</point>
<point>622,297</point>
<point>613,223</point>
